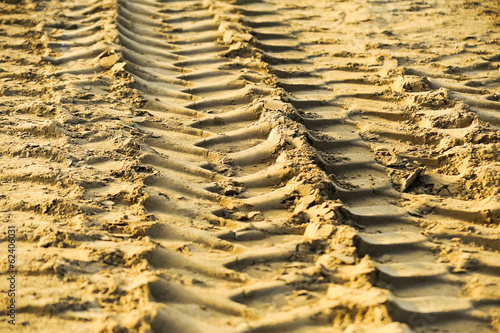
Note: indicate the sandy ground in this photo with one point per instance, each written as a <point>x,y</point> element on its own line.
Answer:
<point>251,165</point>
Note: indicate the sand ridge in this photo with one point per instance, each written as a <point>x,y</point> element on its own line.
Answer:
<point>251,166</point>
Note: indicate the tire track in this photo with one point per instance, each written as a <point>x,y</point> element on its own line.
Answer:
<point>366,190</point>
<point>69,181</point>
<point>363,209</point>
<point>249,144</point>
<point>255,166</point>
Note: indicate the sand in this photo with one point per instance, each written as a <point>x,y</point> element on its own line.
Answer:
<point>250,166</point>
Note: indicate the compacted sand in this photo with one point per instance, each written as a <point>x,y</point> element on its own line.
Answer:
<point>251,165</point>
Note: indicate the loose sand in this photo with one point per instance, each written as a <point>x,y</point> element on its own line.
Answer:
<point>250,165</point>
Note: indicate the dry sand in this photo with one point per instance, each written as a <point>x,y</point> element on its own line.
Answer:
<point>251,165</point>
